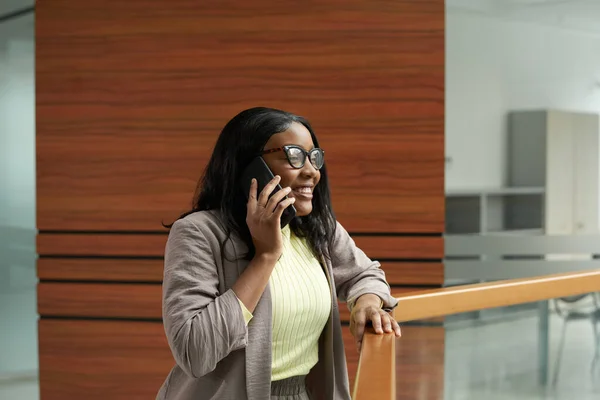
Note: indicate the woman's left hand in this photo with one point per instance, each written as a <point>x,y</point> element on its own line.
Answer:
<point>367,308</point>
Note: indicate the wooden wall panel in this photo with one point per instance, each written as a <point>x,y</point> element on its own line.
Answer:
<point>122,300</point>
<point>116,300</point>
<point>101,244</point>
<point>116,360</point>
<point>100,269</point>
<point>130,98</point>
<point>397,247</point>
<point>142,99</point>
<point>414,273</point>
<point>151,271</point>
<point>64,343</point>
<point>136,245</point>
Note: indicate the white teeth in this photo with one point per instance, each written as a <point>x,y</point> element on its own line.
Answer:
<point>305,189</point>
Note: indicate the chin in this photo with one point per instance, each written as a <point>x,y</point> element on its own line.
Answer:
<point>303,211</point>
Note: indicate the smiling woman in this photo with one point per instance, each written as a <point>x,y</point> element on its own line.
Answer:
<point>247,302</point>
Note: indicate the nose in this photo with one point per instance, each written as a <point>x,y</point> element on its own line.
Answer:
<point>308,170</point>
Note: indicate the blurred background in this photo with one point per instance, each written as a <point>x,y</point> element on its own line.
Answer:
<point>18,310</point>
<point>481,118</point>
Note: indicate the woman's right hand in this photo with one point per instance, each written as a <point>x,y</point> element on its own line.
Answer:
<point>264,217</point>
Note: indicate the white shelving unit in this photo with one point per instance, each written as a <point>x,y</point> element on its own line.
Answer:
<point>559,151</point>
<point>553,180</point>
<point>493,210</point>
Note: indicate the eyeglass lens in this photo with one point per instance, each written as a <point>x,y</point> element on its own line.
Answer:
<point>297,157</point>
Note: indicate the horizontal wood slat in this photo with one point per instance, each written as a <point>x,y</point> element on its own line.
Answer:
<point>141,245</point>
<point>101,244</point>
<point>100,300</point>
<point>116,300</point>
<point>415,273</point>
<point>151,270</point>
<point>99,360</point>
<point>118,270</point>
<point>417,247</point>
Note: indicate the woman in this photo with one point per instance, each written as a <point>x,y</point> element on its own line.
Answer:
<point>249,308</point>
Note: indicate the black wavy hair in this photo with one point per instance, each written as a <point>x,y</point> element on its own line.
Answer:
<point>220,189</point>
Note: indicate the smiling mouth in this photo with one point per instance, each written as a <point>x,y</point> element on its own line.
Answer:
<point>303,191</point>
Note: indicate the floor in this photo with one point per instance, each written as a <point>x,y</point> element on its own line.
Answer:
<point>492,360</point>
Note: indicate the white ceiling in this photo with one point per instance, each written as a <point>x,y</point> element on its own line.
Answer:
<point>9,6</point>
<point>581,15</point>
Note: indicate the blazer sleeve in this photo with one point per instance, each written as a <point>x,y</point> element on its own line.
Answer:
<point>356,274</point>
<point>202,326</point>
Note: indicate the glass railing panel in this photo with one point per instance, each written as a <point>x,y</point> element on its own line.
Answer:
<point>540,350</point>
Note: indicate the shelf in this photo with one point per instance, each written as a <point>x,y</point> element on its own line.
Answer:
<point>494,210</point>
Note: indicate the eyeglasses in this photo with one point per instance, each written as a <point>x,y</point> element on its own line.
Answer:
<point>296,155</point>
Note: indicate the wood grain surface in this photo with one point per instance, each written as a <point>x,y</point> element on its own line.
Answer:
<point>151,270</point>
<point>117,300</point>
<point>415,363</point>
<point>420,363</point>
<point>509,292</point>
<point>64,343</point>
<point>98,360</point>
<point>376,373</point>
<point>124,300</point>
<point>101,269</point>
<point>140,245</point>
<point>131,97</point>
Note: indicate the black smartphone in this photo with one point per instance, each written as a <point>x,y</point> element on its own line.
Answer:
<point>259,170</point>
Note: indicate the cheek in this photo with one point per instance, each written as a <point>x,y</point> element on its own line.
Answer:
<point>288,176</point>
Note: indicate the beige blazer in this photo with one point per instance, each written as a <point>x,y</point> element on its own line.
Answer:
<point>219,357</point>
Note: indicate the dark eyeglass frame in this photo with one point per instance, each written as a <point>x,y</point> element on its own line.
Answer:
<point>307,154</point>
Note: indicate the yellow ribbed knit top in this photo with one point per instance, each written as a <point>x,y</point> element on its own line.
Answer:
<point>301,307</point>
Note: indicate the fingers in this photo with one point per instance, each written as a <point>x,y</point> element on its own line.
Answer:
<point>276,198</point>
<point>386,322</point>
<point>359,328</point>
<point>263,197</point>
<point>389,324</point>
<point>397,330</point>
<point>282,206</point>
<point>376,320</point>
<point>381,321</point>
<point>252,194</point>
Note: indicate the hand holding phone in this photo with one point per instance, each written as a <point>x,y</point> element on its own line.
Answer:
<point>264,216</point>
<point>259,170</point>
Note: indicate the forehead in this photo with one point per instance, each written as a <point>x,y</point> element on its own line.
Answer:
<point>295,134</point>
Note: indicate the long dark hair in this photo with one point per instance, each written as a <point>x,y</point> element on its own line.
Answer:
<point>220,189</point>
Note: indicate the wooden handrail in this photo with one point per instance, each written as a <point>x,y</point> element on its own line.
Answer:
<point>464,298</point>
<point>376,375</point>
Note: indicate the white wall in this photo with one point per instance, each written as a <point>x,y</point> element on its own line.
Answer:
<point>18,315</point>
<point>495,65</point>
